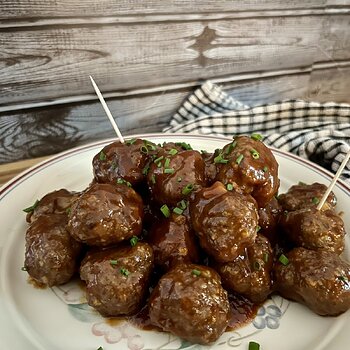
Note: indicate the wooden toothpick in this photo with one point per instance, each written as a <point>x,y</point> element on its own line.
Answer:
<point>108,112</point>
<point>330,187</point>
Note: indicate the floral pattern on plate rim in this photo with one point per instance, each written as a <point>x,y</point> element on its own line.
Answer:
<point>72,295</point>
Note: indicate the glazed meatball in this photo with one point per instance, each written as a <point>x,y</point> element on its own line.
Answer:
<point>126,161</point>
<point>269,217</point>
<point>314,229</point>
<point>172,177</point>
<point>306,196</point>
<point>173,242</point>
<point>250,273</point>
<point>318,279</point>
<point>106,214</point>
<point>225,221</point>
<point>56,202</point>
<point>250,167</point>
<point>117,278</point>
<point>190,302</point>
<point>210,166</point>
<point>51,254</point>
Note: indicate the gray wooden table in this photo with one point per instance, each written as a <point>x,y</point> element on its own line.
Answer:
<point>146,56</point>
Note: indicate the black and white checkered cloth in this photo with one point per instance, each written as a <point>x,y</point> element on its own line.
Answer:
<point>319,132</point>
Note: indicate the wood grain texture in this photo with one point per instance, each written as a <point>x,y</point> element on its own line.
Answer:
<point>146,56</point>
<point>69,8</point>
<point>58,61</point>
<point>42,131</point>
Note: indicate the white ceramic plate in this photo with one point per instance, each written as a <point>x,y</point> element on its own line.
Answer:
<point>59,318</point>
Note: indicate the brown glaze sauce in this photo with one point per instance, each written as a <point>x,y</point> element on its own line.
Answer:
<point>141,320</point>
<point>36,284</point>
<point>242,312</point>
<point>115,321</point>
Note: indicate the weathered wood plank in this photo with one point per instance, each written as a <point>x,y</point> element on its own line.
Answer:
<point>41,131</point>
<point>20,23</point>
<point>67,8</point>
<point>58,61</point>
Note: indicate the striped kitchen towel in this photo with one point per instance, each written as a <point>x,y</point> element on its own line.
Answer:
<point>319,132</point>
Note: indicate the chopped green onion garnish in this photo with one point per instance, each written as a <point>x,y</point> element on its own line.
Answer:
<point>133,241</point>
<point>130,142</point>
<point>167,163</point>
<point>157,160</point>
<point>257,265</point>
<point>178,211</point>
<point>100,348</point>
<point>258,228</point>
<point>182,204</point>
<point>255,154</point>
<point>68,210</point>
<point>300,183</point>
<point>229,187</point>
<point>124,271</point>
<point>315,200</point>
<point>231,146</point>
<point>153,179</point>
<point>32,207</point>
<point>173,151</point>
<point>23,268</point>
<point>283,259</point>
<point>165,210</point>
<point>103,156</point>
<point>145,169</point>
<point>113,262</point>
<point>219,159</point>
<point>121,181</point>
<point>265,169</point>
<point>239,159</point>
<point>196,272</point>
<point>266,257</point>
<point>169,171</point>
<point>343,279</point>
<point>144,149</point>
<point>256,137</point>
<point>254,346</point>
<point>150,145</point>
<point>187,189</point>
<point>184,145</point>
<point>179,179</point>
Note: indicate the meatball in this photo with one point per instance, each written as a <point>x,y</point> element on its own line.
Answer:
<point>250,167</point>
<point>225,221</point>
<point>56,202</point>
<point>126,161</point>
<point>268,219</point>
<point>210,166</point>
<point>314,229</point>
<point>51,254</point>
<point>117,278</point>
<point>318,279</point>
<point>173,242</point>
<point>306,196</point>
<point>190,302</point>
<point>106,214</point>
<point>249,273</point>
<point>172,177</point>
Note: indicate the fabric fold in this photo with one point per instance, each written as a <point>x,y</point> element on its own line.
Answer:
<point>316,131</point>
